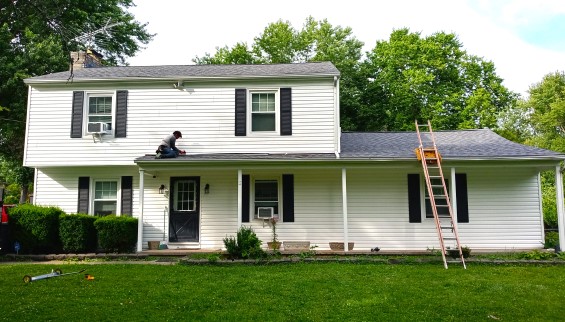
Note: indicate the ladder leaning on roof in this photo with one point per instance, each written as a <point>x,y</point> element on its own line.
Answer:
<point>440,202</point>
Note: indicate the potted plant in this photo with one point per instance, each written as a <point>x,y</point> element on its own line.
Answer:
<point>274,244</point>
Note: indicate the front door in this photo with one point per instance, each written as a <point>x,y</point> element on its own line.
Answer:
<point>184,201</point>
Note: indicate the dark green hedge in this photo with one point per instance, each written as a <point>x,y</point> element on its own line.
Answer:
<point>77,233</point>
<point>117,234</point>
<point>35,228</point>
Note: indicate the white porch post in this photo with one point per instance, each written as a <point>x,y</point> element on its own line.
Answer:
<point>344,203</point>
<point>560,207</point>
<point>239,195</point>
<point>140,219</point>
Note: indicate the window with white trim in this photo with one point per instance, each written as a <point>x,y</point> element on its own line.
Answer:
<point>440,202</point>
<point>263,114</point>
<point>266,194</point>
<point>105,198</point>
<point>99,109</point>
<point>184,198</point>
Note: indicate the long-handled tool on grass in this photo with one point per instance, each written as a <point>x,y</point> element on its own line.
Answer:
<point>54,273</point>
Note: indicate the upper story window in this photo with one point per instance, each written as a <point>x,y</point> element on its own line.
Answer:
<point>263,112</point>
<point>105,197</point>
<point>99,114</point>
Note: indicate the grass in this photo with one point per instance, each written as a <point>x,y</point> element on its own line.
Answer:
<point>284,292</point>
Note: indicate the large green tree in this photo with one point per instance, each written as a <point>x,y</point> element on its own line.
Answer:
<point>36,37</point>
<point>316,41</point>
<point>429,78</point>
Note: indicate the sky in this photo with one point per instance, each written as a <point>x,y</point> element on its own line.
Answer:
<point>525,39</point>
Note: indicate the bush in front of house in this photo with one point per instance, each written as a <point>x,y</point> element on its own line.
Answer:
<point>35,228</point>
<point>245,245</point>
<point>77,233</point>
<point>117,234</point>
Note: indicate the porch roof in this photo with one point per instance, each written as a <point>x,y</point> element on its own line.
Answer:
<point>462,145</point>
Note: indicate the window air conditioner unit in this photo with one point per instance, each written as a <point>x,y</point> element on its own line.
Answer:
<point>265,212</point>
<point>98,127</point>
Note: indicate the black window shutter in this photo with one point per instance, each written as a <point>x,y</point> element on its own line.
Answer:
<point>414,210</point>
<point>288,197</point>
<point>127,195</point>
<point>83,195</point>
<point>245,182</point>
<point>240,111</point>
<point>121,114</point>
<point>462,201</point>
<point>76,117</point>
<point>286,111</point>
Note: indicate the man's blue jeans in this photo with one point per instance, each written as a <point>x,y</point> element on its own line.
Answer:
<point>169,153</point>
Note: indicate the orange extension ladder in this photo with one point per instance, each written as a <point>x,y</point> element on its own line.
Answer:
<point>440,202</point>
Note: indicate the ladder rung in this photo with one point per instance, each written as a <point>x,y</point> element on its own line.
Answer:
<point>449,238</point>
<point>446,227</point>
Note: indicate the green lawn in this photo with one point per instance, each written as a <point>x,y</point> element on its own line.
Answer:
<point>284,292</point>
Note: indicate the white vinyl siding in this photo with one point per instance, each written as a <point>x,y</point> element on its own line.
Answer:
<point>205,116</point>
<point>504,208</point>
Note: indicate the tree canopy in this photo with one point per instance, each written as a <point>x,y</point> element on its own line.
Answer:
<point>36,37</point>
<point>404,78</point>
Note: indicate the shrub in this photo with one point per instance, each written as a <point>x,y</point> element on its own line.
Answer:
<point>551,239</point>
<point>117,234</point>
<point>245,245</point>
<point>36,228</point>
<point>77,233</point>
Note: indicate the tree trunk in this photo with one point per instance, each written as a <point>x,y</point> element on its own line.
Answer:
<point>23,193</point>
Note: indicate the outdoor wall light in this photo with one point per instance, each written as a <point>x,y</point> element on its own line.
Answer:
<point>162,189</point>
<point>207,189</point>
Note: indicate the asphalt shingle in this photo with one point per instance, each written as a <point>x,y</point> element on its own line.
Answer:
<point>192,71</point>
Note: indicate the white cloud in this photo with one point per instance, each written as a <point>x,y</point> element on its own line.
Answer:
<point>188,29</point>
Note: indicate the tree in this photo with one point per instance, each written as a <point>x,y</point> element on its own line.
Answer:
<point>546,105</point>
<point>36,37</point>
<point>316,41</point>
<point>433,78</point>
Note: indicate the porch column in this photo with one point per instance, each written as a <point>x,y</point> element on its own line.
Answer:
<point>140,219</point>
<point>239,196</point>
<point>344,203</point>
<point>560,208</point>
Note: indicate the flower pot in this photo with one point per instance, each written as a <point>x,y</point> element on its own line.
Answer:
<point>274,245</point>
<point>296,245</point>
<point>153,244</point>
<point>337,246</point>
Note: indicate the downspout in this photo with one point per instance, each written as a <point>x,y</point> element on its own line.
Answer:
<point>239,196</point>
<point>337,126</point>
<point>540,198</point>
<point>344,203</point>
<point>140,219</point>
<point>560,210</point>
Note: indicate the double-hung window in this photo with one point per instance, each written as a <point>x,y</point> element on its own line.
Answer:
<point>440,199</point>
<point>105,197</point>
<point>100,113</point>
<point>266,194</point>
<point>264,111</point>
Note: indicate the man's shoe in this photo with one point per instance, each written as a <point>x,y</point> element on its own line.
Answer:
<point>158,155</point>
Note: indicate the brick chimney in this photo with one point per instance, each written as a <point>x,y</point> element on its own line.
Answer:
<point>86,59</point>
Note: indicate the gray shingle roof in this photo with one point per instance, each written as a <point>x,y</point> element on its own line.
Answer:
<point>394,146</point>
<point>192,71</point>
<point>463,144</point>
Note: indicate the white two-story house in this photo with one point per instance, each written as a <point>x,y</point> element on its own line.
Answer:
<point>261,141</point>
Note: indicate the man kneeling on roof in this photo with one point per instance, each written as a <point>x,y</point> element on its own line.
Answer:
<point>167,148</point>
